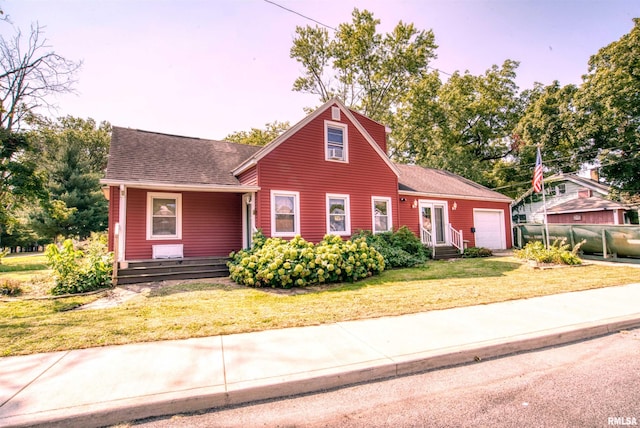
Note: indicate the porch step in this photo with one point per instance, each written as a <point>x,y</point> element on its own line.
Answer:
<point>171,269</point>
<point>443,253</point>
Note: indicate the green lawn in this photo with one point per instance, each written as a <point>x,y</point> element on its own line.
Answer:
<point>194,309</point>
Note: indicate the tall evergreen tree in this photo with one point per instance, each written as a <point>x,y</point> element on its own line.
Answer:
<point>74,155</point>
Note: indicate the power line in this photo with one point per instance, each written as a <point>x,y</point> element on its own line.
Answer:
<point>299,14</point>
<point>332,28</point>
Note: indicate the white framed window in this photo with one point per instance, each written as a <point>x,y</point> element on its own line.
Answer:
<point>164,215</point>
<point>338,215</point>
<point>285,213</point>
<point>381,214</point>
<point>336,141</point>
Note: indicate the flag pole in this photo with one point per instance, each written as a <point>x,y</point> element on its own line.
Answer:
<point>544,208</point>
<point>539,176</point>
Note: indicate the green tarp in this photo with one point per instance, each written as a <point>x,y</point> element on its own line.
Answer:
<point>621,240</point>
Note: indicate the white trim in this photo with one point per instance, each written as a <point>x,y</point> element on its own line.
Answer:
<point>296,213</point>
<point>389,213</point>
<point>505,200</point>
<point>181,187</point>
<point>161,195</point>
<point>295,128</point>
<point>248,201</point>
<point>122,222</point>
<point>345,141</point>
<point>432,203</point>
<point>503,232</point>
<point>347,214</point>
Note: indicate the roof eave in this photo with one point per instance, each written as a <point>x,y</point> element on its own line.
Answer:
<point>193,187</point>
<point>503,199</point>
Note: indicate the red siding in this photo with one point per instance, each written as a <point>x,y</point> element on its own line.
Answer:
<point>461,218</point>
<point>211,224</point>
<point>594,217</point>
<point>375,129</point>
<point>249,178</point>
<point>114,212</point>
<point>299,164</point>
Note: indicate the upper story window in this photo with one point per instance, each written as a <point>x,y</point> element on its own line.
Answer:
<point>338,215</point>
<point>164,215</point>
<point>285,213</point>
<point>382,220</point>
<point>336,141</point>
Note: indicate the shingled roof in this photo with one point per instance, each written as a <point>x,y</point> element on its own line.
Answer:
<point>592,203</point>
<point>436,182</point>
<point>142,156</point>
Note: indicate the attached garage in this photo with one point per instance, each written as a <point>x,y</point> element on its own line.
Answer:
<point>489,228</point>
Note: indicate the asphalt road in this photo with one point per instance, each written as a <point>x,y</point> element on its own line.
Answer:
<point>594,383</point>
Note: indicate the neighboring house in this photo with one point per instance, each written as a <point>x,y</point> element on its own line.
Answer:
<point>570,199</point>
<point>172,196</point>
<point>588,210</point>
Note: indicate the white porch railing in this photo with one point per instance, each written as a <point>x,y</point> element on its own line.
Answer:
<point>456,238</point>
<point>427,240</point>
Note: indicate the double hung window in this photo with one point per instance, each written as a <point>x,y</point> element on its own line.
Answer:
<point>285,213</point>
<point>164,212</point>
<point>381,214</point>
<point>338,215</point>
<point>336,142</point>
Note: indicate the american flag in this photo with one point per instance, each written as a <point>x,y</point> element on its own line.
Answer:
<point>537,173</point>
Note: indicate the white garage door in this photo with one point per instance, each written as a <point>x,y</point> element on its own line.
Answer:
<point>489,226</point>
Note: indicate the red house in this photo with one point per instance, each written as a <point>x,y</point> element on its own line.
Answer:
<point>184,198</point>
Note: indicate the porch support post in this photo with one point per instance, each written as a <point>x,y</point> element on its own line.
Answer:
<point>122,220</point>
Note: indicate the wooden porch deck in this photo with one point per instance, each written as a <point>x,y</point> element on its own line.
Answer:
<point>138,271</point>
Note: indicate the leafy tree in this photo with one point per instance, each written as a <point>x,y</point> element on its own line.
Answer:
<point>608,109</point>
<point>29,73</point>
<point>464,125</point>
<point>259,137</point>
<point>20,182</point>
<point>548,120</point>
<point>74,155</point>
<point>367,70</point>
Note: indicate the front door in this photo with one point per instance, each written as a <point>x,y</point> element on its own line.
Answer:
<point>433,221</point>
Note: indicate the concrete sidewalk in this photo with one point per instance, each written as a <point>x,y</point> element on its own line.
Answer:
<point>101,386</point>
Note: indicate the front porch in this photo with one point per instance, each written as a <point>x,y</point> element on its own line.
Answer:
<point>449,246</point>
<point>137,271</point>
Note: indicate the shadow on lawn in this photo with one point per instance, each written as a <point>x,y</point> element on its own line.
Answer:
<point>432,270</point>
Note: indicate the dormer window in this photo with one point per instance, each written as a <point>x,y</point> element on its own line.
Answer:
<point>335,135</point>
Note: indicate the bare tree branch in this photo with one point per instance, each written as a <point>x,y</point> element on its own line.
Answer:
<point>29,75</point>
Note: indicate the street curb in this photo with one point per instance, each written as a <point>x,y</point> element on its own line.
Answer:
<point>114,412</point>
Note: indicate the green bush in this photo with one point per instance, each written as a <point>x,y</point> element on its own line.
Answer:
<point>474,252</point>
<point>400,248</point>
<point>77,271</point>
<point>558,253</point>
<point>10,287</point>
<point>275,262</point>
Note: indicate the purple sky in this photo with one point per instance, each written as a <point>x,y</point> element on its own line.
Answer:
<point>209,68</point>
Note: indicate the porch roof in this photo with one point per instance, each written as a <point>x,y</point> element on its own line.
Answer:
<point>150,157</point>
<point>437,182</point>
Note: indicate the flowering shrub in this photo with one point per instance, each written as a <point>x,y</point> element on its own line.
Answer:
<point>76,271</point>
<point>275,262</point>
<point>558,253</point>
